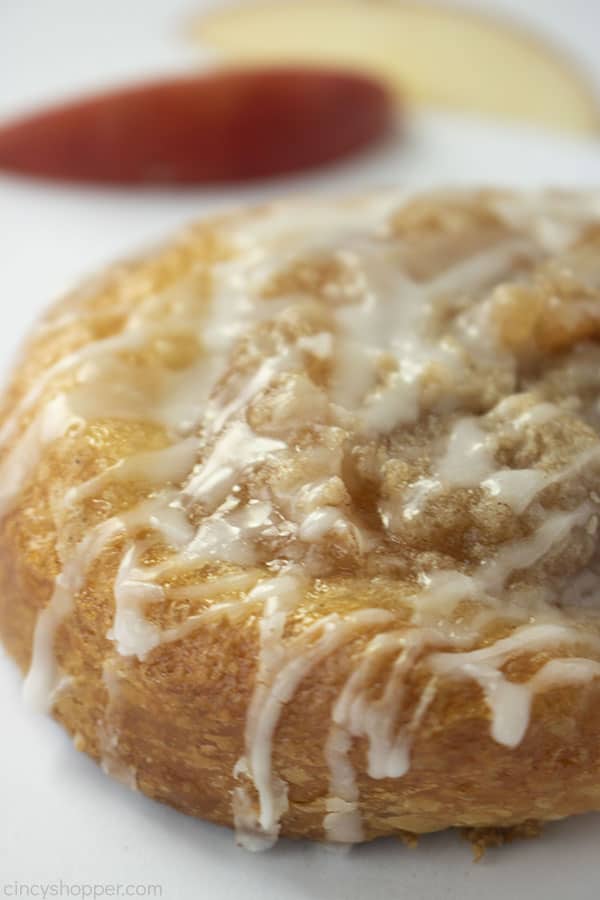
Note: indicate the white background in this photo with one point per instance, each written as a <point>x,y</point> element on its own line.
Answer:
<point>60,817</point>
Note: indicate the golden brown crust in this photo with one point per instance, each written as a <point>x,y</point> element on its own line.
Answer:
<point>181,716</point>
<point>177,716</point>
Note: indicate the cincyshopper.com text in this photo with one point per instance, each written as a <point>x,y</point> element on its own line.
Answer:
<point>82,890</point>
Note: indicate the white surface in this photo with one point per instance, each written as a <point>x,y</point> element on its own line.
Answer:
<point>61,818</point>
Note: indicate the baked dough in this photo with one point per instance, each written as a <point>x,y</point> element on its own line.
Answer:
<point>300,516</point>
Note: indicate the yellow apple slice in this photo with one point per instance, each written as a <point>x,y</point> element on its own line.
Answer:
<point>432,55</point>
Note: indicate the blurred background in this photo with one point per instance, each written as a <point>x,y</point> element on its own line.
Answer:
<point>50,48</point>
<point>482,91</point>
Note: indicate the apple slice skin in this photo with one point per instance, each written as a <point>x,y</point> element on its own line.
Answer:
<point>226,126</point>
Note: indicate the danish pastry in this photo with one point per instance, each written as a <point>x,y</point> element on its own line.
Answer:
<point>300,515</point>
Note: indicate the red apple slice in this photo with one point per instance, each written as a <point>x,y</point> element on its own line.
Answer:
<point>229,125</point>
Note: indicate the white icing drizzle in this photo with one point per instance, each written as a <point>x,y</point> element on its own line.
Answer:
<point>281,668</point>
<point>509,702</point>
<point>111,762</point>
<point>44,675</point>
<point>320,345</point>
<point>322,520</point>
<point>378,334</point>
<point>228,534</point>
<point>279,596</point>
<point>237,449</point>
<point>156,466</point>
<point>131,631</point>
<point>441,592</point>
<point>51,423</point>
<point>468,457</point>
<point>564,671</point>
<point>216,418</point>
<point>342,822</point>
<point>216,588</point>
<point>396,403</point>
<point>359,715</point>
<point>537,415</point>
<point>392,318</point>
<point>469,462</point>
<point>129,339</point>
<point>515,487</point>
<point>521,554</point>
<point>551,216</point>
